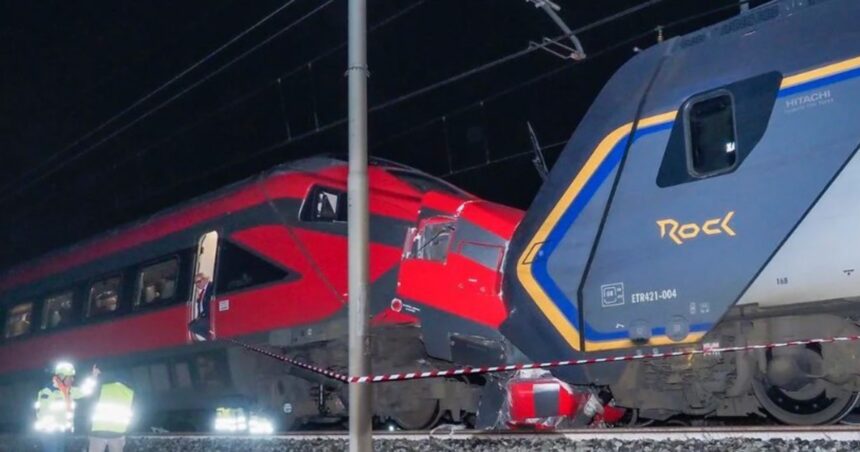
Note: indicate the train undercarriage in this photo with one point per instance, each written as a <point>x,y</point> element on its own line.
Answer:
<point>306,400</point>
<point>798,385</point>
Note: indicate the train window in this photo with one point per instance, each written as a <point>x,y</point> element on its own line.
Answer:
<point>157,283</point>
<point>710,134</point>
<point>432,242</point>
<point>240,269</point>
<point>57,311</point>
<point>104,296</point>
<point>19,320</point>
<point>409,242</point>
<point>325,204</point>
<point>741,120</point>
<point>486,254</point>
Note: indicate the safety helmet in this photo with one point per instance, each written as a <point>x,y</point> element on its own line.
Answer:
<point>64,369</point>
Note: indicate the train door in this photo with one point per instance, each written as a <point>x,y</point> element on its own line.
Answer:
<point>204,278</point>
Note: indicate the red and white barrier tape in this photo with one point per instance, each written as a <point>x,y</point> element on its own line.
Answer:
<point>319,370</point>
<point>543,365</point>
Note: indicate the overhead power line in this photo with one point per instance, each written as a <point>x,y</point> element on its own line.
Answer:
<point>73,104</point>
<point>331,125</point>
<point>26,184</point>
<point>254,92</point>
<point>241,98</point>
<point>450,80</point>
<point>154,92</point>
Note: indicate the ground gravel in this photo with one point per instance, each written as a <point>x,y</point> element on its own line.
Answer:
<point>539,443</point>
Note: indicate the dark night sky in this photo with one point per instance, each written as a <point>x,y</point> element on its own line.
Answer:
<point>66,67</point>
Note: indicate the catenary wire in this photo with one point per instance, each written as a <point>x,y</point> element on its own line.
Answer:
<point>342,121</point>
<point>473,71</point>
<point>242,98</point>
<point>447,81</point>
<point>85,151</point>
<point>405,97</point>
<point>482,68</point>
<point>71,105</point>
<point>152,93</point>
<point>253,93</point>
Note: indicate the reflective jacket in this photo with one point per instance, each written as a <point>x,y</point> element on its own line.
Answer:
<point>113,411</point>
<point>55,412</point>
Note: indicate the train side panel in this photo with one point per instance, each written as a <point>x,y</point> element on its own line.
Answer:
<point>683,249</point>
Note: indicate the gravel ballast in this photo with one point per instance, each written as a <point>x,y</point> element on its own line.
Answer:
<point>536,443</point>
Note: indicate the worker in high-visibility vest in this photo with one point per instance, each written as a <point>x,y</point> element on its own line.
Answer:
<point>55,408</point>
<point>112,416</point>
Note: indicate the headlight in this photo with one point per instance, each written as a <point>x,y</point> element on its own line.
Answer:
<point>260,426</point>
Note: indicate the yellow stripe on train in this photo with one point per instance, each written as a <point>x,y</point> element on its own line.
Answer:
<point>549,308</point>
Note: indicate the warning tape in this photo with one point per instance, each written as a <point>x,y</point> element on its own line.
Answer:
<point>297,363</point>
<point>543,365</point>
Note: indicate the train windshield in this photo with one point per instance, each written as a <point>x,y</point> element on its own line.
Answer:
<point>432,240</point>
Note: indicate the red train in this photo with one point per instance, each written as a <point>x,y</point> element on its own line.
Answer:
<point>275,248</point>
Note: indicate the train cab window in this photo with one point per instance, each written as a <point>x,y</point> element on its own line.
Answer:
<point>157,283</point>
<point>19,320</point>
<point>711,138</point>
<point>57,310</point>
<point>325,205</point>
<point>432,241</point>
<point>104,296</point>
<point>241,269</point>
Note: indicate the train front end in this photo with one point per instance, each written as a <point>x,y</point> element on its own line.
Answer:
<point>451,276</point>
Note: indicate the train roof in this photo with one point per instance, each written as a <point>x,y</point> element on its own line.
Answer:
<point>305,165</point>
<point>744,22</point>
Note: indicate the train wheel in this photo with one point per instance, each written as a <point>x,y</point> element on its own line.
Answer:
<point>816,403</point>
<point>412,405</point>
<point>419,418</point>
<point>790,392</point>
<point>853,416</point>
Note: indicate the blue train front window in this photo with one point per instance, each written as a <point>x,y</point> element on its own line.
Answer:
<point>711,137</point>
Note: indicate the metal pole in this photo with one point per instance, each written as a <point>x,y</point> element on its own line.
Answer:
<point>360,417</point>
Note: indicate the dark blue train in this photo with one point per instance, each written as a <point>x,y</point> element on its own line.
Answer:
<point>709,196</point>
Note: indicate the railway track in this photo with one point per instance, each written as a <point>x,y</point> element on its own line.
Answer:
<point>650,439</point>
<point>809,433</point>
